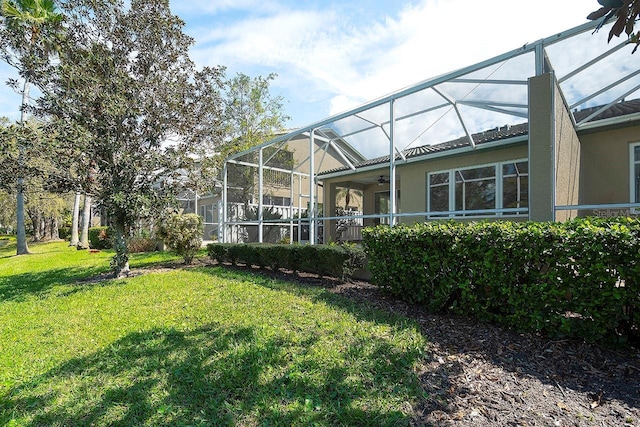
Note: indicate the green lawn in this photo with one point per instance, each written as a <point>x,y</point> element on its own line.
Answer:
<point>201,346</point>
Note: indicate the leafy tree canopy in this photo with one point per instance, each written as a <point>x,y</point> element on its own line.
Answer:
<point>625,13</point>
<point>126,85</point>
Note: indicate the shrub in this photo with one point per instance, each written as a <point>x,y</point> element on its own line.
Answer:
<point>575,279</point>
<point>183,234</point>
<point>218,252</point>
<point>142,244</point>
<point>64,233</point>
<point>337,261</point>
<point>100,238</point>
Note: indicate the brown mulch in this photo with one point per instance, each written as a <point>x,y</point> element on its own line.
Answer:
<point>478,374</point>
<point>483,375</point>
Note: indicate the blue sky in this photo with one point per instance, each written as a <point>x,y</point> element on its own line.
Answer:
<point>334,55</point>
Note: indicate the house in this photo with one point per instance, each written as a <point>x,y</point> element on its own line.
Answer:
<point>276,192</point>
<point>545,132</point>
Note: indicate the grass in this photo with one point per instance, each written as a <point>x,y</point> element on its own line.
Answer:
<point>201,346</point>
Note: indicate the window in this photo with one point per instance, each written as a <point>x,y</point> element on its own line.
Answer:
<point>515,185</point>
<point>634,173</point>
<point>487,187</point>
<point>475,189</point>
<point>275,200</point>
<point>207,213</point>
<point>438,192</point>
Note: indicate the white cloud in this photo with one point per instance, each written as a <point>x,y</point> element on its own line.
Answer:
<point>332,56</point>
<point>331,52</point>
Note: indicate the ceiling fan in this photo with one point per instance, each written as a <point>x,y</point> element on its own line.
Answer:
<point>383,180</point>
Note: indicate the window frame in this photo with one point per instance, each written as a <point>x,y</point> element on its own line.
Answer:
<point>499,190</point>
<point>632,175</point>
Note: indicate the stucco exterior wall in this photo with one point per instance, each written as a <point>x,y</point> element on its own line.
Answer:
<point>541,147</point>
<point>567,159</point>
<point>605,170</point>
<point>413,176</point>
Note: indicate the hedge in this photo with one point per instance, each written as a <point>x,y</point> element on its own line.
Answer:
<point>339,261</point>
<point>577,279</point>
<point>100,238</point>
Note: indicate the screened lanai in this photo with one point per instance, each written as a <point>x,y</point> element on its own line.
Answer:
<point>324,181</point>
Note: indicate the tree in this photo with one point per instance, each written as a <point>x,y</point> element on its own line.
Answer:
<point>626,13</point>
<point>29,33</point>
<point>75,214</point>
<point>252,116</point>
<point>45,210</point>
<point>83,242</point>
<point>7,212</point>
<point>125,79</point>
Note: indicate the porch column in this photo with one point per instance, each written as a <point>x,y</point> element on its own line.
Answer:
<point>312,189</point>
<point>541,148</point>
<point>292,182</point>
<point>222,227</point>
<point>392,164</point>
<point>260,184</point>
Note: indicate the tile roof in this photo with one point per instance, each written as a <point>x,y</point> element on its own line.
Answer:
<point>616,110</point>
<point>496,134</point>
<point>492,135</point>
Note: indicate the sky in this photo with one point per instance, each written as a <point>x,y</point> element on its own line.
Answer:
<point>330,56</point>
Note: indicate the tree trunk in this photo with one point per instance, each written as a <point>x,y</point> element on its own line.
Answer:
<point>35,216</point>
<point>86,217</point>
<point>120,261</point>
<point>74,221</point>
<point>43,228</point>
<point>21,233</point>
<point>54,233</point>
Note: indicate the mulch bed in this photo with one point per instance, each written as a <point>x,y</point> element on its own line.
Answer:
<point>479,374</point>
<point>483,375</point>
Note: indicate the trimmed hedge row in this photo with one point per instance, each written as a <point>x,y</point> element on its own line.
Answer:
<point>325,260</point>
<point>575,279</point>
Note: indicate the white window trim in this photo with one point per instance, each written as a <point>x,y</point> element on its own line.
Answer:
<point>632,173</point>
<point>499,187</point>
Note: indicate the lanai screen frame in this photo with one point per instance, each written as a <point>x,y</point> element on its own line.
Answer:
<point>314,132</point>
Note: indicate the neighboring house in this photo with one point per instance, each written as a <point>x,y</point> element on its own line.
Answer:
<point>562,142</point>
<point>282,195</point>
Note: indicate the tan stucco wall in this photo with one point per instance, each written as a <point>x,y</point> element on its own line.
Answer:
<point>413,179</point>
<point>567,159</point>
<point>604,174</point>
<point>541,147</point>
<point>413,184</point>
<point>323,160</point>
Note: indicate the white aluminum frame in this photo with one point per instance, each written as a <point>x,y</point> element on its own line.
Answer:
<point>317,131</point>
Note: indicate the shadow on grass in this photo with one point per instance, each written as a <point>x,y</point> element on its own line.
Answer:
<point>213,375</point>
<point>18,286</point>
<point>591,369</point>
<point>7,247</point>
<point>314,292</point>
